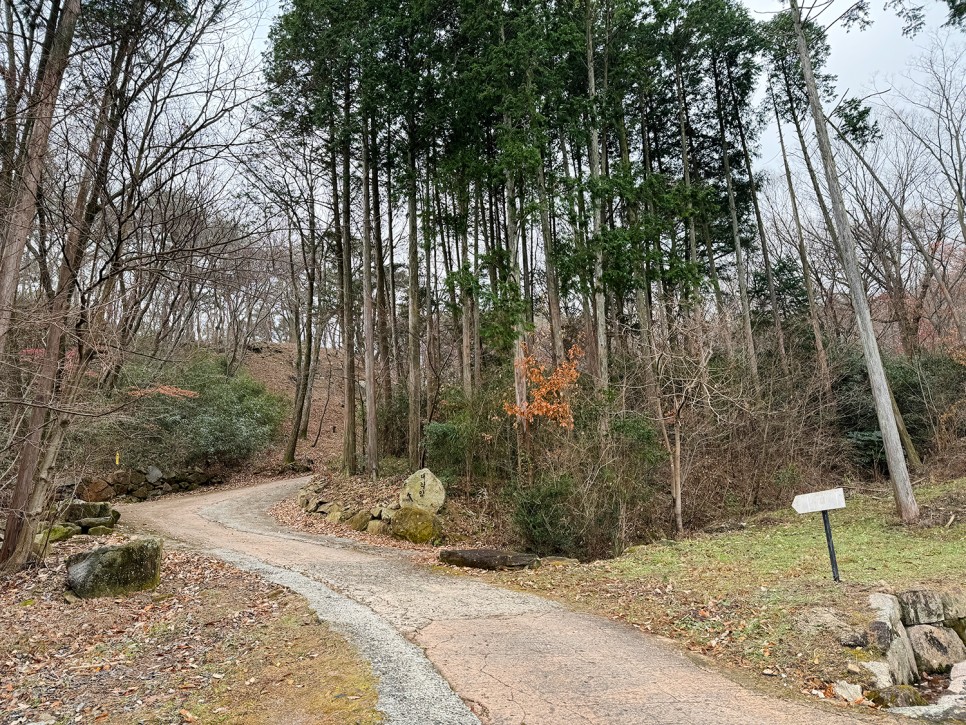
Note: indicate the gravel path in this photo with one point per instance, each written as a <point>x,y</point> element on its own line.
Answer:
<point>512,658</point>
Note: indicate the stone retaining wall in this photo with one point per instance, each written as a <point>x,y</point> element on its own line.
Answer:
<point>143,483</point>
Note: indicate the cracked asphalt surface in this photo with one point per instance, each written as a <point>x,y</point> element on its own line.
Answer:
<point>509,657</point>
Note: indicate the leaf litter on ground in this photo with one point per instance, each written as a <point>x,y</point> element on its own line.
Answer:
<point>210,644</point>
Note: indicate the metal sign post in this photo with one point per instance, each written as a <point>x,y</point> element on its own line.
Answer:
<point>823,501</point>
<point>831,546</point>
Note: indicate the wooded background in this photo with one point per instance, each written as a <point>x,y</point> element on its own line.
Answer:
<point>536,233</point>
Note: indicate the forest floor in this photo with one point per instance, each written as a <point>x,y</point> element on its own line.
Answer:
<point>212,644</point>
<point>273,365</point>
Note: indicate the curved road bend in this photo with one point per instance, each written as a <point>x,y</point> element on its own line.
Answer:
<point>511,658</point>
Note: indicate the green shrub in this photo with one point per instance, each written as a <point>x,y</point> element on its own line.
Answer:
<point>925,387</point>
<point>542,515</point>
<point>392,418</point>
<point>472,437</point>
<point>446,446</point>
<point>189,414</point>
<point>590,496</point>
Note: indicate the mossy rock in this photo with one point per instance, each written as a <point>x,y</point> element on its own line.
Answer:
<point>377,527</point>
<point>359,521</point>
<point>112,570</point>
<point>100,531</point>
<point>86,524</point>
<point>77,509</point>
<point>416,525</point>
<point>897,696</point>
<point>60,532</point>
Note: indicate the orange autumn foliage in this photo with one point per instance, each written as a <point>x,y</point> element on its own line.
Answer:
<point>548,393</point>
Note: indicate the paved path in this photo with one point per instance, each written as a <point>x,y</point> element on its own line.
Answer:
<point>512,658</point>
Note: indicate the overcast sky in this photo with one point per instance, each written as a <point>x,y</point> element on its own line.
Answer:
<point>862,60</point>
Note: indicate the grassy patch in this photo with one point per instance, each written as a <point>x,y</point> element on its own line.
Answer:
<point>787,549</point>
<point>295,671</point>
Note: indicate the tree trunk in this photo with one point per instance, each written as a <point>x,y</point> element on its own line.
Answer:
<point>382,288</point>
<point>739,252</point>
<point>348,316</point>
<point>553,288</point>
<point>820,354</point>
<point>20,221</point>
<point>600,302</point>
<point>368,320</point>
<point>765,256</point>
<point>415,407</point>
<point>29,494</point>
<point>304,349</point>
<point>466,295</point>
<point>906,504</point>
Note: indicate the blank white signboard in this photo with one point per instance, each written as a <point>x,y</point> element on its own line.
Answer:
<point>808,503</point>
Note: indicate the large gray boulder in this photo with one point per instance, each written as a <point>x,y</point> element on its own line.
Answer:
<point>888,635</point>
<point>937,648</point>
<point>424,491</point>
<point>902,660</point>
<point>921,606</point>
<point>112,570</point>
<point>416,525</point>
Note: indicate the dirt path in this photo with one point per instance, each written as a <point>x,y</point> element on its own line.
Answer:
<point>512,657</point>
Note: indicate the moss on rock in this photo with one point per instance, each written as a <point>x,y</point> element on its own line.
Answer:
<point>60,532</point>
<point>416,525</point>
<point>112,570</point>
<point>897,696</point>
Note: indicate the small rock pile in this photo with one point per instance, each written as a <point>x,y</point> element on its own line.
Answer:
<point>921,631</point>
<point>413,517</point>
<point>143,483</point>
<point>934,624</point>
<point>93,518</point>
